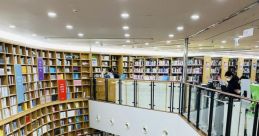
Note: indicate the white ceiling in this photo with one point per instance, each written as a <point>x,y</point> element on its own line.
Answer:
<point>150,21</point>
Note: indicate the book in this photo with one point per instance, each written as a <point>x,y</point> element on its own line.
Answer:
<point>7,129</point>
<point>24,69</point>
<point>62,115</point>
<point>2,72</point>
<point>27,119</point>
<point>71,113</point>
<point>6,113</point>
<point>77,82</point>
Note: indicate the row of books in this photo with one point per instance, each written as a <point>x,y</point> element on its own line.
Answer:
<point>4,92</point>
<point>216,62</point>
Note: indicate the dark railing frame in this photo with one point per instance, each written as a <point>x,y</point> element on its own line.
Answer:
<point>182,106</point>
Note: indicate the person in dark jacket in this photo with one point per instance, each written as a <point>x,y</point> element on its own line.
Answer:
<point>233,83</point>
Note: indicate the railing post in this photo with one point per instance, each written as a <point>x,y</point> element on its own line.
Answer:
<point>106,90</point>
<point>135,93</point>
<point>198,107</point>
<point>189,103</point>
<point>151,95</point>
<point>255,120</point>
<point>120,93</point>
<point>182,99</point>
<point>211,113</point>
<point>171,107</point>
<point>229,116</point>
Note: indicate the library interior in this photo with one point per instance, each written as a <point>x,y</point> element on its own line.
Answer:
<point>129,68</point>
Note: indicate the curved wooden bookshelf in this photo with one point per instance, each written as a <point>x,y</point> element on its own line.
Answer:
<point>68,117</point>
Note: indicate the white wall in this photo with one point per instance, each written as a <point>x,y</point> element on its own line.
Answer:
<point>155,122</point>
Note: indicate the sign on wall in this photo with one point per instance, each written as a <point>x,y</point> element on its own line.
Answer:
<point>62,92</point>
<point>40,69</point>
<point>19,83</point>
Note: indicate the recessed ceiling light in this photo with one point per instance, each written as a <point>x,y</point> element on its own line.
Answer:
<point>180,28</point>
<point>168,42</point>
<point>69,27</point>
<point>127,41</point>
<point>224,41</point>
<point>240,36</point>
<point>125,15</point>
<point>80,34</point>
<point>200,44</point>
<point>127,35</point>
<point>34,35</point>
<point>171,35</point>
<point>125,27</point>
<point>52,14</point>
<point>12,26</point>
<point>200,48</point>
<point>256,46</point>
<point>75,10</point>
<point>97,42</point>
<point>124,45</point>
<point>221,46</point>
<point>195,17</point>
<point>146,43</point>
<point>178,46</point>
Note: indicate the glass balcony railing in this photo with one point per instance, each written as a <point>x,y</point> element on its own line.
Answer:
<point>214,112</point>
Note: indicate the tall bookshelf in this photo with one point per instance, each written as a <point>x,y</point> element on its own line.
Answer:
<point>247,67</point>
<point>233,65</point>
<point>127,66</point>
<point>69,117</point>
<point>215,74</point>
<point>176,69</point>
<point>73,67</point>
<point>163,68</point>
<point>150,68</point>
<point>139,68</point>
<point>195,69</point>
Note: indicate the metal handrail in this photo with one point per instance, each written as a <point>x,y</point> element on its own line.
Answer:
<point>199,86</point>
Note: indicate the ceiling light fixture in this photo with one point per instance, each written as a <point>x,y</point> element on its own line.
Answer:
<point>52,14</point>
<point>69,27</point>
<point>195,17</point>
<point>146,43</point>
<point>34,35</point>
<point>125,27</point>
<point>178,46</point>
<point>240,36</point>
<point>171,35</point>
<point>12,26</point>
<point>124,45</point>
<point>127,35</point>
<point>168,42</point>
<point>224,41</point>
<point>125,15</point>
<point>180,28</point>
<point>80,35</point>
<point>256,46</point>
<point>127,41</point>
<point>97,42</point>
<point>221,46</point>
<point>200,44</point>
